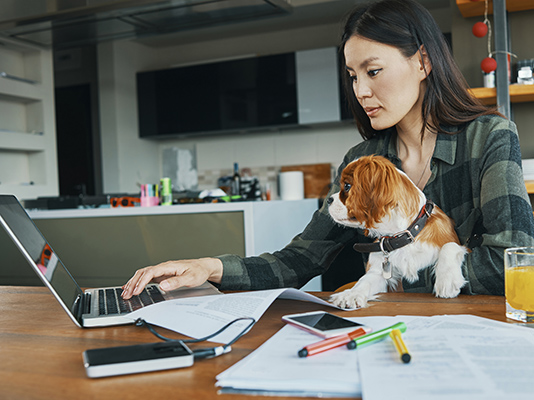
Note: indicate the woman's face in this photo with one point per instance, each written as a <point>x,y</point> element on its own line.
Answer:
<point>388,86</point>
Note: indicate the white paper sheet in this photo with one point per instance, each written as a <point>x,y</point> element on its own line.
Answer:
<point>459,357</point>
<point>275,368</point>
<point>453,357</point>
<point>200,316</point>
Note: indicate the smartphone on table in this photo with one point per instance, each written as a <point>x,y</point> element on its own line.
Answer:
<point>323,324</point>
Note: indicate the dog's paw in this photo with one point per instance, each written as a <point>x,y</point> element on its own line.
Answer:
<point>448,271</point>
<point>350,298</point>
<point>449,286</point>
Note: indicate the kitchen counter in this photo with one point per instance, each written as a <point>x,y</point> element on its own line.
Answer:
<point>104,246</point>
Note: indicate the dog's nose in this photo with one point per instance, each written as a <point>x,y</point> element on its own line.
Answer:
<point>330,200</point>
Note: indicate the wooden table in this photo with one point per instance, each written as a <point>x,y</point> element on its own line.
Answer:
<point>41,349</point>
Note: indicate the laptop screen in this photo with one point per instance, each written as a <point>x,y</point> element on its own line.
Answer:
<point>38,252</point>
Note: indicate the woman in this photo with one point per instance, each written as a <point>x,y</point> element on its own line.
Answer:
<point>411,104</point>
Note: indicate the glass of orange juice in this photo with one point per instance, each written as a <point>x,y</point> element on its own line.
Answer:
<point>519,283</point>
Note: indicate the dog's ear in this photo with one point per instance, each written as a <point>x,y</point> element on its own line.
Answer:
<point>377,187</point>
<point>367,200</point>
<point>346,182</point>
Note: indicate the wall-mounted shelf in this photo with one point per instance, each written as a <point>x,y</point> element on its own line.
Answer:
<point>28,161</point>
<point>22,141</point>
<point>5,75</point>
<point>518,94</point>
<point>470,8</point>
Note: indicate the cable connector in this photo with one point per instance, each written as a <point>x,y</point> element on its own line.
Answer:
<point>211,352</point>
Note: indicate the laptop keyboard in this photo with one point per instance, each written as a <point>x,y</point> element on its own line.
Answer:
<point>111,302</point>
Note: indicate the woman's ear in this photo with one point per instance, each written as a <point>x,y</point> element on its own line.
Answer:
<point>424,61</point>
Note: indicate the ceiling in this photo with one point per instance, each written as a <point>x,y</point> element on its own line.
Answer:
<point>305,13</point>
<point>161,23</point>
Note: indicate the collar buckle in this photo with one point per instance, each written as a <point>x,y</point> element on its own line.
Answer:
<point>410,237</point>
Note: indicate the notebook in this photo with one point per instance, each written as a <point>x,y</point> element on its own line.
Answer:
<point>89,308</point>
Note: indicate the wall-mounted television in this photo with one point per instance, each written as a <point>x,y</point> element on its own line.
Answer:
<point>236,95</point>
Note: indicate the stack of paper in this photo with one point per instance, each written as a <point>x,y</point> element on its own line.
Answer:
<point>459,357</point>
<point>275,368</point>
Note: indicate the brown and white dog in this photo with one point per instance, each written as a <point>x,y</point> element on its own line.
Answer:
<point>412,233</point>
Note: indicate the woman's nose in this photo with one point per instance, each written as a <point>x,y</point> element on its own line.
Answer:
<point>361,90</point>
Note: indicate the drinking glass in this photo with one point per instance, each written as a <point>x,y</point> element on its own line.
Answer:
<point>519,283</point>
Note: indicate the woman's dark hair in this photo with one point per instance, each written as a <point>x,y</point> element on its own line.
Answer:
<point>407,25</point>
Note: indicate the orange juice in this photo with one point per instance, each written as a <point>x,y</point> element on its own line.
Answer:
<point>519,286</point>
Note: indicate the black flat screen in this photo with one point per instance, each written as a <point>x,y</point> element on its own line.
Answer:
<point>226,96</point>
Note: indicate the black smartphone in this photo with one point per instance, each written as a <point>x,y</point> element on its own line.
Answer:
<point>136,359</point>
<point>323,324</point>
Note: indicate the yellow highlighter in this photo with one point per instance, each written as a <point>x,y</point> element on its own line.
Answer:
<point>405,356</point>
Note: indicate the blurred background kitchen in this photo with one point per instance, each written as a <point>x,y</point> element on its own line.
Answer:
<point>100,98</point>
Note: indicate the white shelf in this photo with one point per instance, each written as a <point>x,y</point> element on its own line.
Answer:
<point>21,61</point>
<point>28,160</point>
<point>21,91</point>
<point>25,190</point>
<point>21,141</point>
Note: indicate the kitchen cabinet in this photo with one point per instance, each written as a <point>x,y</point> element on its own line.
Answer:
<point>28,160</point>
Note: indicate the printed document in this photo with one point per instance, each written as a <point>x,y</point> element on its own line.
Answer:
<point>200,316</point>
<point>460,357</point>
<point>276,369</point>
<point>453,357</point>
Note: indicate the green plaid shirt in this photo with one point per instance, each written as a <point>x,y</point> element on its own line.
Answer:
<point>476,179</point>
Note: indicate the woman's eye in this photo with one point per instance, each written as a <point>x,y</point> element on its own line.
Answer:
<point>347,187</point>
<point>374,72</point>
<point>353,78</point>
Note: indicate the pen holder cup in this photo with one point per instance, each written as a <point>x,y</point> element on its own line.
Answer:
<point>149,201</point>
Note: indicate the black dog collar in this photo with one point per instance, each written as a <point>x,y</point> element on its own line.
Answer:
<point>387,244</point>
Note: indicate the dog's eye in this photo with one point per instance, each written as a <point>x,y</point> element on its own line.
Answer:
<point>347,187</point>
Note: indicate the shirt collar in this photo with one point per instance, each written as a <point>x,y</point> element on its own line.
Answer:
<point>446,145</point>
<point>445,149</point>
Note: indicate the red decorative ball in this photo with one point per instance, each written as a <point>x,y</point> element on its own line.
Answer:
<point>480,29</point>
<point>488,65</point>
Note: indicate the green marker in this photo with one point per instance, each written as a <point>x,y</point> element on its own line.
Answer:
<point>375,336</point>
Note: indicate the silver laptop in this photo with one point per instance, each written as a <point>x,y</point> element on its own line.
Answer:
<point>89,308</point>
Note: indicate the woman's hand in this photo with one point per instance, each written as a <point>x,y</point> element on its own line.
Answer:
<point>174,274</point>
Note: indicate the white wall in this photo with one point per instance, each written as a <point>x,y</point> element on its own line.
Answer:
<point>127,160</point>
<point>327,145</point>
